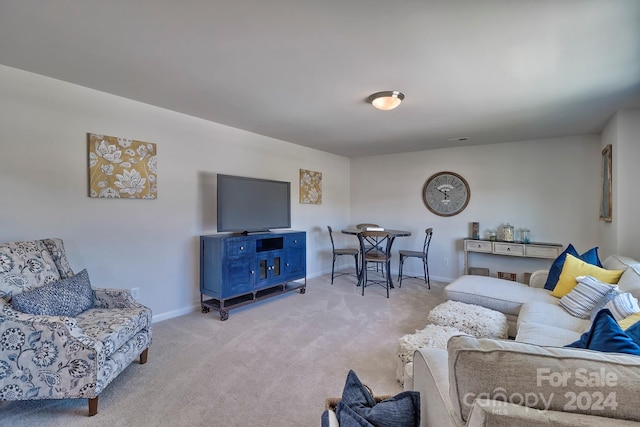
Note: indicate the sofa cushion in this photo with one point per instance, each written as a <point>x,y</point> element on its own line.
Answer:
<point>551,314</point>
<point>590,256</point>
<point>606,335</point>
<point>67,297</point>
<point>574,267</point>
<point>585,296</point>
<point>546,335</point>
<point>114,327</point>
<point>508,371</point>
<point>24,266</point>
<point>491,413</point>
<point>501,295</point>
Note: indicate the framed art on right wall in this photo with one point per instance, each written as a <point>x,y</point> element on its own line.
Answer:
<point>605,194</point>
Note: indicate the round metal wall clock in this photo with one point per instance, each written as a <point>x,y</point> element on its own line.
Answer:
<point>446,193</point>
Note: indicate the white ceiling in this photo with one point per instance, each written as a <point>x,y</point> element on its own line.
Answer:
<point>300,70</point>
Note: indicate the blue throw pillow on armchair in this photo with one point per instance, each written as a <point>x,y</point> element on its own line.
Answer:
<point>590,257</point>
<point>67,297</point>
<point>359,408</point>
<point>606,335</point>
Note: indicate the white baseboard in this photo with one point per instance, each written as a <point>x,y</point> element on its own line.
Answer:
<point>197,307</point>
<point>176,313</point>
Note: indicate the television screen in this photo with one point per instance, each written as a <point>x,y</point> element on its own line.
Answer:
<point>252,204</point>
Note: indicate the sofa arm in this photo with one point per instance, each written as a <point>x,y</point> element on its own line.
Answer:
<point>44,357</point>
<point>544,378</point>
<point>538,278</point>
<point>113,298</point>
<point>488,412</point>
<point>431,379</point>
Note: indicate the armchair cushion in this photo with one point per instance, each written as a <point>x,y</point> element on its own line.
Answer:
<point>67,297</point>
<point>114,327</point>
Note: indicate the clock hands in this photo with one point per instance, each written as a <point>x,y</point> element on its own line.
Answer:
<point>446,193</point>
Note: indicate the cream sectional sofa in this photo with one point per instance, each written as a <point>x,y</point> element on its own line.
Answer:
<point>468,383</point>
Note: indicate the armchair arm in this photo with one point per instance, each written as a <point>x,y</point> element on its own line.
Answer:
<point>113,298</point>
<point>46,357</point>
<point>538,278</point>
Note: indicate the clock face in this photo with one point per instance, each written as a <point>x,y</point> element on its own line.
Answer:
<point>446,193</point>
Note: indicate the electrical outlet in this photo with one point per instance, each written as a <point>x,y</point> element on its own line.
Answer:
<point>445,261</point>
<point>135,293</point>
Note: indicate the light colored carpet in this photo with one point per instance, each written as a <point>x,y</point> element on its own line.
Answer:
<point>271,364</point>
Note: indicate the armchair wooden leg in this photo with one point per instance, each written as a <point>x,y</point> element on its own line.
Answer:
<point>143,356</point>
<point>93,406</point>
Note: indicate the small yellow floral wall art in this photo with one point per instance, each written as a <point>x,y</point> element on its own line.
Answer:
<point>122,168</point>
<point>310,187</point>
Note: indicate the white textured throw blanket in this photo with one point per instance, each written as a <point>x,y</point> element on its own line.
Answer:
<point>475,320</point>
<point>446,320</point>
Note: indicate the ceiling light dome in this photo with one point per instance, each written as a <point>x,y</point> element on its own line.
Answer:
<point>387,100</point>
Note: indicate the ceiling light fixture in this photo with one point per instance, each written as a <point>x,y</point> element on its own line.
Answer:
<point>387,100</point>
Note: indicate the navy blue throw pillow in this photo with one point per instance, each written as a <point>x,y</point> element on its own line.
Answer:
<point>359,408</point>
<point>606,335</point>
<point>590,257</point>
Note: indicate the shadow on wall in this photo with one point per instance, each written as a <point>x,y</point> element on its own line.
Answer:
<point>207,196</point>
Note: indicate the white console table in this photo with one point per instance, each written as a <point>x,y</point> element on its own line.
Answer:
<point>514,249</point>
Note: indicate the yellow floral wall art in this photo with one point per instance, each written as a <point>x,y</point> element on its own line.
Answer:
<point>122,168</point>
<point>310,187</point>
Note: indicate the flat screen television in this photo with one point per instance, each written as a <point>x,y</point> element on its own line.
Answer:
<point>252,204</point>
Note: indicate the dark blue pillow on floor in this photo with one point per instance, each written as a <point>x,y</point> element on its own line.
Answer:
<point>606,335</point>
<point>590,257</point>
<point>358,407</point>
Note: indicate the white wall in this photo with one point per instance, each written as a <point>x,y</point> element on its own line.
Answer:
<point>623,234</point>
<point>549,186</point>
<point>151,244</point>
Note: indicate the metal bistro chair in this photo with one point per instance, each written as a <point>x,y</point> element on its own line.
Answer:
<point>337,252</point>
<point>381,258</point>
<point>372,243</point>
<point>424,256</point>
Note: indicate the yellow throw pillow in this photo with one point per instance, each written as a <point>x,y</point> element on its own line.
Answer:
<point>574,267</point>
<point>629,321</point>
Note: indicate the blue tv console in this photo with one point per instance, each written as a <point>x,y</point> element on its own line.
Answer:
<point>237,269</point>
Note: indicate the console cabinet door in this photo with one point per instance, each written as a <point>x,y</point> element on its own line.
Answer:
<point>237,276</point>
<point>295,265</point>
<point>270,269</point>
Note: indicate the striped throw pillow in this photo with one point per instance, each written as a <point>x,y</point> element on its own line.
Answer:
<point>623,305</point>
<point>585,296</point>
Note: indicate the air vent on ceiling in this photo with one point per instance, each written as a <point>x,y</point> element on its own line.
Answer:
<point>462,138</point>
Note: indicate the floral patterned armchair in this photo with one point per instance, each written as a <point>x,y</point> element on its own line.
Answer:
<point>61,357</point>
